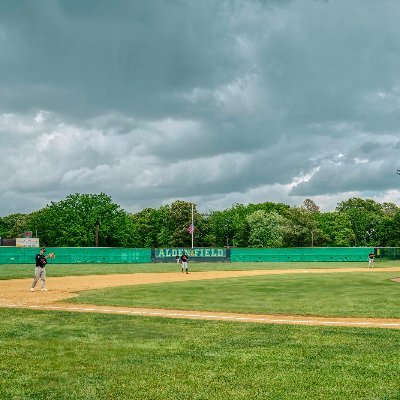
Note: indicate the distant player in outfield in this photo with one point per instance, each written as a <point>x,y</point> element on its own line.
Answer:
<point>371,257</point>
<point>177,259</point>
<point>184,261</point>
<point>40,269</point>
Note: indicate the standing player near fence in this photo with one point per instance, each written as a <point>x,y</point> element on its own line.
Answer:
<point>40,269</point>
<point>184,261</point>
<point>371,257</point>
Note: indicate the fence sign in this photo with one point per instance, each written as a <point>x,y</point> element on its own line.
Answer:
<point>195,254</point>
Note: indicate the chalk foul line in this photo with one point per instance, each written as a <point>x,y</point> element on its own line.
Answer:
<point>211,316</point>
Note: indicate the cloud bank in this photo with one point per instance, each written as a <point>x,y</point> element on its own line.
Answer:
<point>214,102</point>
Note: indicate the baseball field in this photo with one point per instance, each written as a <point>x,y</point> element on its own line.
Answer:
<point>223,331</point>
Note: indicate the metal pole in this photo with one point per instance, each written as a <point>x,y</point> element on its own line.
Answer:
<point>192,225</point>
<point>97,235</point>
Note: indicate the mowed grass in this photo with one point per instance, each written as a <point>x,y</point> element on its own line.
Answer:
<point>14,271</point>
<point>362,294</point>
<point>59,355</point>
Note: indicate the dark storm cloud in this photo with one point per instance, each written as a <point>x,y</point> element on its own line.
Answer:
<point>216,101</point>
<point>102,55</point>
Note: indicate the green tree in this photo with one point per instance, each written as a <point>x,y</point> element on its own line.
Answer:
<point>146,227</point>
<point>267,229</point>
<point>395,235</point>
<point>389,231</point>
<point>336,228</point>
<point>3,228</point>
<point>71,222</point>
<point>302,229</point>
<point>309,205</point>
<point>162,224</point>
<point>390,209</point>
<point>221,230</point>
<point>167,226</point>
<point>180,219</point>
<point>365,217</point>
<point>14,225</point>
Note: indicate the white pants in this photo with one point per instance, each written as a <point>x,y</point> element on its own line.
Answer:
<point>40,273</point>
<point>184,265</point>
<point>371,262</point>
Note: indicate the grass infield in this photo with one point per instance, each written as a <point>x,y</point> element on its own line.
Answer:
<point>363,294</point>
<point>59,355</point>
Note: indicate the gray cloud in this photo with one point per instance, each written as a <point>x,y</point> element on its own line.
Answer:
<point>214,102</point>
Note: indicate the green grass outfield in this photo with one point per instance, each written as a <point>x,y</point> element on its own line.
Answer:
<point>11,271</point>
<point>61,355</point>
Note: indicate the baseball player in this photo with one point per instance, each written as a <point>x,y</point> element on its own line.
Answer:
<point>371,257</point>
<point>184,261</point>
<point>40,270</point>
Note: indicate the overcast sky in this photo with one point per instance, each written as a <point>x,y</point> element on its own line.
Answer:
<point>214,102</point>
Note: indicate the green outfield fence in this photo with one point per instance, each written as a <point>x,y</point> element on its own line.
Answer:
<point>92,255</point>
<point>76,255</point>
<point>301,254</point>
<point>387,253</point>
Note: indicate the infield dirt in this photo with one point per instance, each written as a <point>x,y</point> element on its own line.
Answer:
<point>16,293</point>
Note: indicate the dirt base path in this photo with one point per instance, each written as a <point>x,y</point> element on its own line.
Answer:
<point>15,293</point>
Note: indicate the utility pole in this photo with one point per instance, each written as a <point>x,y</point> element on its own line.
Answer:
<point>97,232</point>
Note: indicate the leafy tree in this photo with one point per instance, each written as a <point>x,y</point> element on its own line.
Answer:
<point>365,217</point>
<point>167,226</point>
<point>162,224</point>
<point>302,229</point>
<point>71,222</point>
<point>3,228</point>
<point>14,225</point>
<point>221,230</point>
<point>238,225</point>
<point>310,206</point>
<point>395,233</point>
<point>337,229</point>
<point>146,227</point>
<point>180,219</point>
<point>390,209</point>
<point>389,231</point>
<point>267,229</point>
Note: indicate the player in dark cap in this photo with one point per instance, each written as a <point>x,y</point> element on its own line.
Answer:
<point>40,269</point>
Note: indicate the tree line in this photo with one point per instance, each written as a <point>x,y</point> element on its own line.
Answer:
<point>73,222</point>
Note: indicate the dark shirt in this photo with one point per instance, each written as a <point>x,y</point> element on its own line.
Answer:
<point>184,257</point>
<point>40,260</point>
<point>371,255</point>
